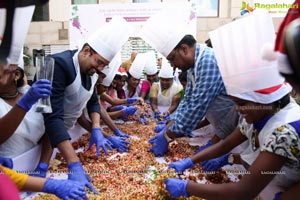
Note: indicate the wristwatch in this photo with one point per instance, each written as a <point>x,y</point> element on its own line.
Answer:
<point>167,137</point>
<point>231,159</point>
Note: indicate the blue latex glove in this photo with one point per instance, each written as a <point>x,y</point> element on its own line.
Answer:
<point>119,143</point>
<point>208,144</point>
<point>124,118</point>
<point>98,138</point>
<point>176,187</point>
<point>119,108</point>
<point>40,89</point>
<point>77,173</point>
<point>132,100</point>
<point>182,165</point>
<point>157,116</point>
<point>119,133</point>
<point>216,163</point>
<point>40,170</point>
<point>159,127</point>
<point>6,162</point>
<point>143,120</point>
<point>169,118</point>
<point>129,110</point>
<point>160,144</point>
<point>65,189</point>
<point>277,196</point>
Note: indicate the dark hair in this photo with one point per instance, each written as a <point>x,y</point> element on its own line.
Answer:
<point>87,45</point>
<point>129,75</point>
<point>187,39</point>
<point>291,46</point>
<point>208,43</point>
<point>118,77</point>
<point>281,103</point>
<point>20,81</point>
<point>183,76</point>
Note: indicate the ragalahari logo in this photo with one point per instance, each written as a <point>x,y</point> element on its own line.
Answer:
<point>246,8</point>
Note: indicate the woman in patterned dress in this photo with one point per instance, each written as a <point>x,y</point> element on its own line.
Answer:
<point>270,121</point>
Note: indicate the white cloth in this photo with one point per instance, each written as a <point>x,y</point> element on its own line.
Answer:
<point>163,100</point>
<point>26,136</point>
<point>288,114</point>
<point>76,96</point>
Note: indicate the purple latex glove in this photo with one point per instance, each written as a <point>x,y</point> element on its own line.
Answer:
<point>119,133</point>
<point>182,165</point>
<point>216,163</point>
<point>119,143</point>
<point>277,196</point>
<point>6,162</point>
<point>65,189</point>
<point>208,144</point>
<point>160,144</point>
<point>77,173</point>
<point>143,120</point>
<point>157,116</point>
<point>40,170</point>
<point>119,108</point>
<point>176,187</point>
<point>99,140</point>
<point>159,127</point>
<point>129,110</point>
<point>132,100</point>
<point>40,89</point>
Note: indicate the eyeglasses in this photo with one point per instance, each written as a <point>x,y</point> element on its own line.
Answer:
<point>99,62</point>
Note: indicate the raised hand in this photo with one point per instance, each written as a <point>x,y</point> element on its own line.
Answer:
<point>40,89</point>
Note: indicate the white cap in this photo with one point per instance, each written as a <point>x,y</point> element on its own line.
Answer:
<point>151,63</point>
<point>163,32</point>
<point>109,39</point>
<point>137,66</point>
<point>21,22</point>
<point>111,70</point>
<point>166,70</point>
<point>267,95</point>
<point>238,49</point>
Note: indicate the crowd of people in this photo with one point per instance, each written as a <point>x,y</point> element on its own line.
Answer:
<point>245,107</point>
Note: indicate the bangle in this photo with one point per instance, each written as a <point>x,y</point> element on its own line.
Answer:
<point>168,138</point>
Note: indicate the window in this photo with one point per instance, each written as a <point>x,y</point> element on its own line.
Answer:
<point>41,13</point>
<point>205,8</point>
<point>84,1</point>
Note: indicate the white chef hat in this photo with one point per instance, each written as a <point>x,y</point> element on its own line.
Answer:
<point>21,22</point>
<point>137,66</point>
<point>267,95</point>
<point>111,70</point>
<point>151,63</point>
<point>109,38</point>
<point>238,49</point>
<point>166,70</point>
<point>163,32</point>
